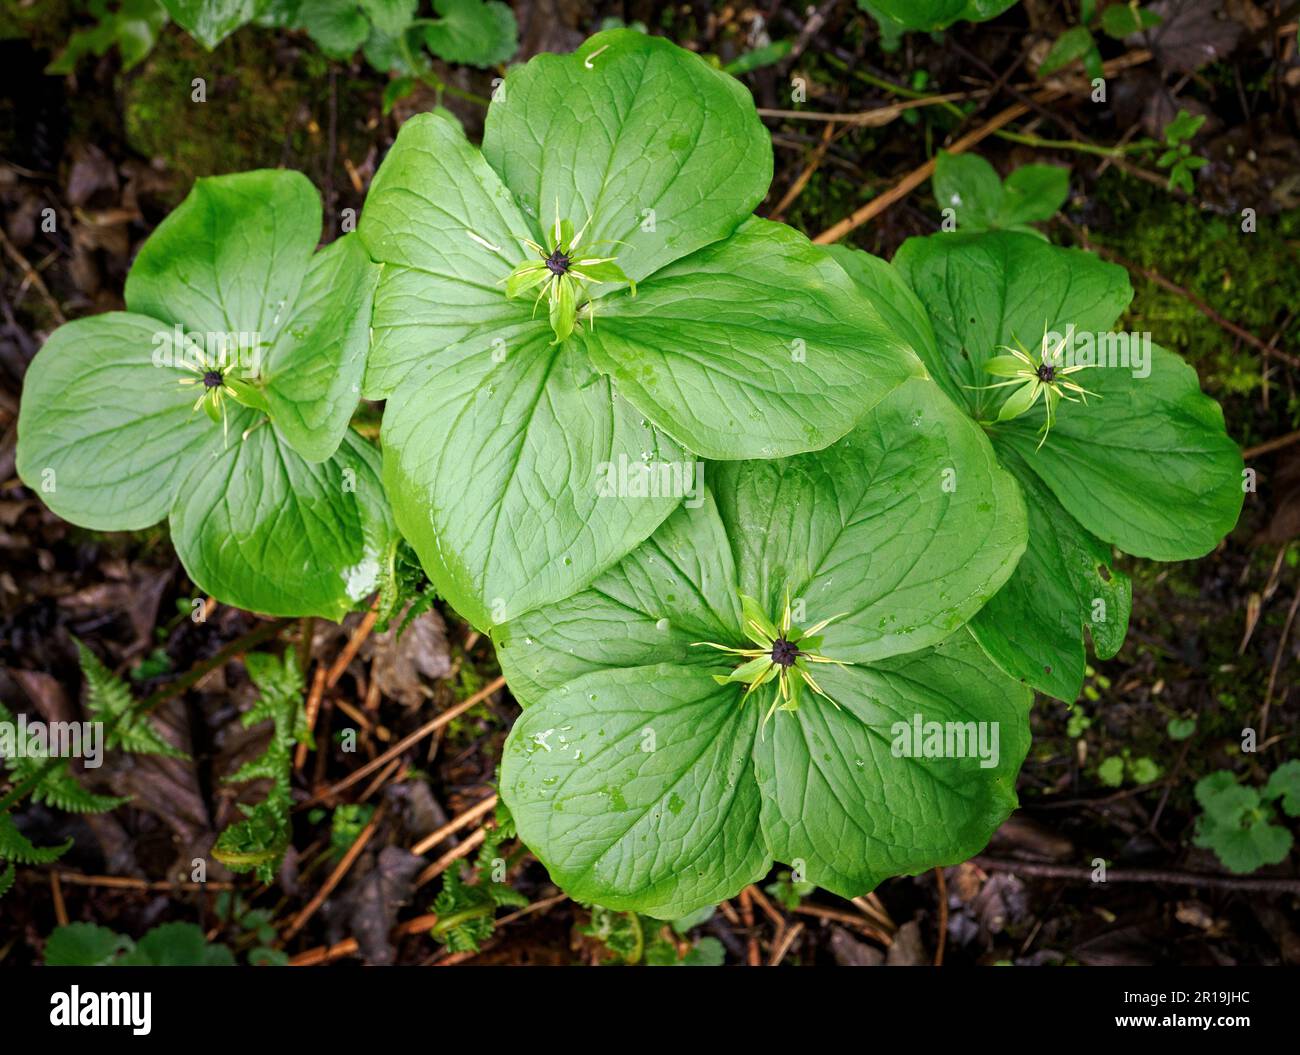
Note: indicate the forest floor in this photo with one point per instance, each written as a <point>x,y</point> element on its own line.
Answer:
<point>1213,640</point>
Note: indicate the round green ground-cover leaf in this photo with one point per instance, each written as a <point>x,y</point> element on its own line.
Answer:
<point>1148,467</point>
<point>662,159</point>
<point>111,440</point>
<point>635,776</point>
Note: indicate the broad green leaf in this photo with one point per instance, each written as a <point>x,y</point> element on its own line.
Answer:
<point>930,15</point>
<point>1284,784</point>
<point>633,773</point>
<point>986,291</point>
<point>759,346</point>
<point>644,144</point>
<point>105,437</point>
<point>971,187</point>
<point>267,531</point>
<point>231,257</point>
<point>390,16</point>
<point>635,788</point>
<point>839,796</point>
<point>447,232</point>
<point>337,26</point>
<point>1066,582</point>
<point>899,307</point>
<point>313,370</point>
<point>472,32</point>
<point>177,944</point>
<point>1032,193</point>
<point>902,530</point>
<point>516,477</point>
<point>1075,43</point>
<point>84,945</point>
<point>211,21</point>
<point>1148,466</point>
<point>677,587</point>
<point>981,201</point>
<point>1235,826</point>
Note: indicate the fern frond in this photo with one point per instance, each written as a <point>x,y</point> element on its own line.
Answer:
<point>258,842</point>
<point>108,700</point>
<point>57,787</point>
<point>15,846</point>
<point>7,878</point>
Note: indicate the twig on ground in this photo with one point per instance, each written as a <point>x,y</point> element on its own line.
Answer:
<point>848,919</point>
<point>335,877</point>
<point>358,638</point>
<point>454,825</point>
<point>788,936</point>
<point>814,163</point>
<point>312,709</point>
<point>919,175</point>
<point>450,857</point>
<point>942,893</point>
<point>1082,874</point>
<point>425,730</point>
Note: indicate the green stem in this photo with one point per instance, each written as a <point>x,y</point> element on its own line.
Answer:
<point>1063,144</point>
<point>449,923</point>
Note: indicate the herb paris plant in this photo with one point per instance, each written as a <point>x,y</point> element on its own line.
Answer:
<point>742,340</point>
<point>640,772</point>
<point>274,505</point>
<point>1146,466</point>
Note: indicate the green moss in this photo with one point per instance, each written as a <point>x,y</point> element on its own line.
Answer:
<point>267,105</point>
<point>1248,279</point>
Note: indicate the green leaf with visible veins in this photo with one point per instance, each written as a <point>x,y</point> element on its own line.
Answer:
<point>269,532</point>
<point>1056,590</point>
<point>771,344</point>
<point>837,795</point>
<point>313,369</point>
<point>499,439</point>
<point>105,437</point>
<point>447,232</point>
<point>495,472</point>
<point>1147,467</point>
<point>111,436</point>
<point>652,150</point>
<point>644,784</point>
<point>232,256</point>
<point>211,21</point>
<point>472,32</point>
